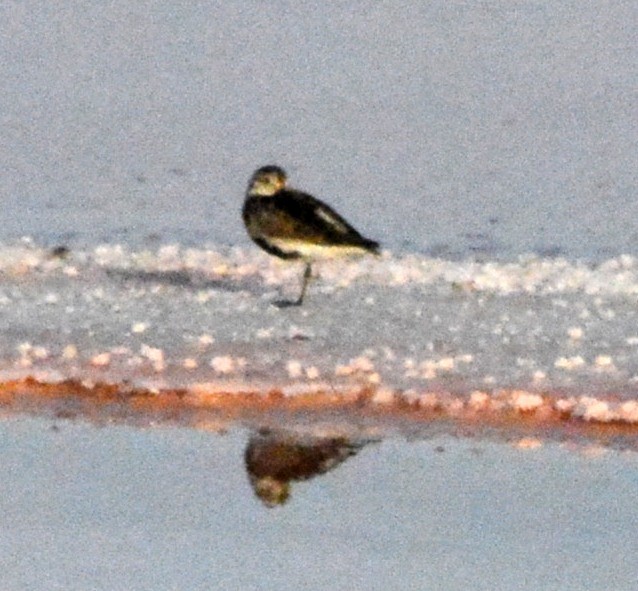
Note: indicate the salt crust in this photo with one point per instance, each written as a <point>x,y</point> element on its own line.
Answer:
<point>530,274</point>
<point>24,265</point>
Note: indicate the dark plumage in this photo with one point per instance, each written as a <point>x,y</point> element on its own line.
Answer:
<point>291,224</point>
<point>275,460</point>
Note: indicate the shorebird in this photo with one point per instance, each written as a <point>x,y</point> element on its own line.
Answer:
<point>293,225</point>
<point>276,459</point>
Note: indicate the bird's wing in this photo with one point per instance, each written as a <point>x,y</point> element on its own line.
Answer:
<point>313,220</point>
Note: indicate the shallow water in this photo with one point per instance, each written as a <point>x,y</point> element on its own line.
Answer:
<point>167,508</point>
<point>451,129</point>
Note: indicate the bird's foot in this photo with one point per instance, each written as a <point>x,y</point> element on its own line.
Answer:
<point>287,303</point>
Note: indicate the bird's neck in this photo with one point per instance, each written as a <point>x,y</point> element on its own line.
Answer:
<point>262,191</point>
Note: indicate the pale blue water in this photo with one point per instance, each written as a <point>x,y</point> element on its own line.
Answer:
<point>450,128</point>
<point>121,508</point>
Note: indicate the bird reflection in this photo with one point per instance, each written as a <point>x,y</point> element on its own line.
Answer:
<point>274,459</point>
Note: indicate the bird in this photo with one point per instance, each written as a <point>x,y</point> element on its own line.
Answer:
<point>294,225</point>
<point>277,459</point>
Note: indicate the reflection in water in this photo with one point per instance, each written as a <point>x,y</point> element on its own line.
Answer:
<point>275,458</point>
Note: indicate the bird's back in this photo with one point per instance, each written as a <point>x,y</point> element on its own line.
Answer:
<point>294,215</point>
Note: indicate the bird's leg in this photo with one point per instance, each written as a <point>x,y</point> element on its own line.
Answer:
<point>307,274</point>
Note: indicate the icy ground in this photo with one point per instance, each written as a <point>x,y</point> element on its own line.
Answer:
<point>402,324</point>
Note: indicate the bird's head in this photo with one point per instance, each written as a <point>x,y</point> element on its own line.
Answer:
<point>266,181</point>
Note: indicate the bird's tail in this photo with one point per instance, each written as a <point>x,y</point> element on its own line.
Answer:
<point>372,246</point>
